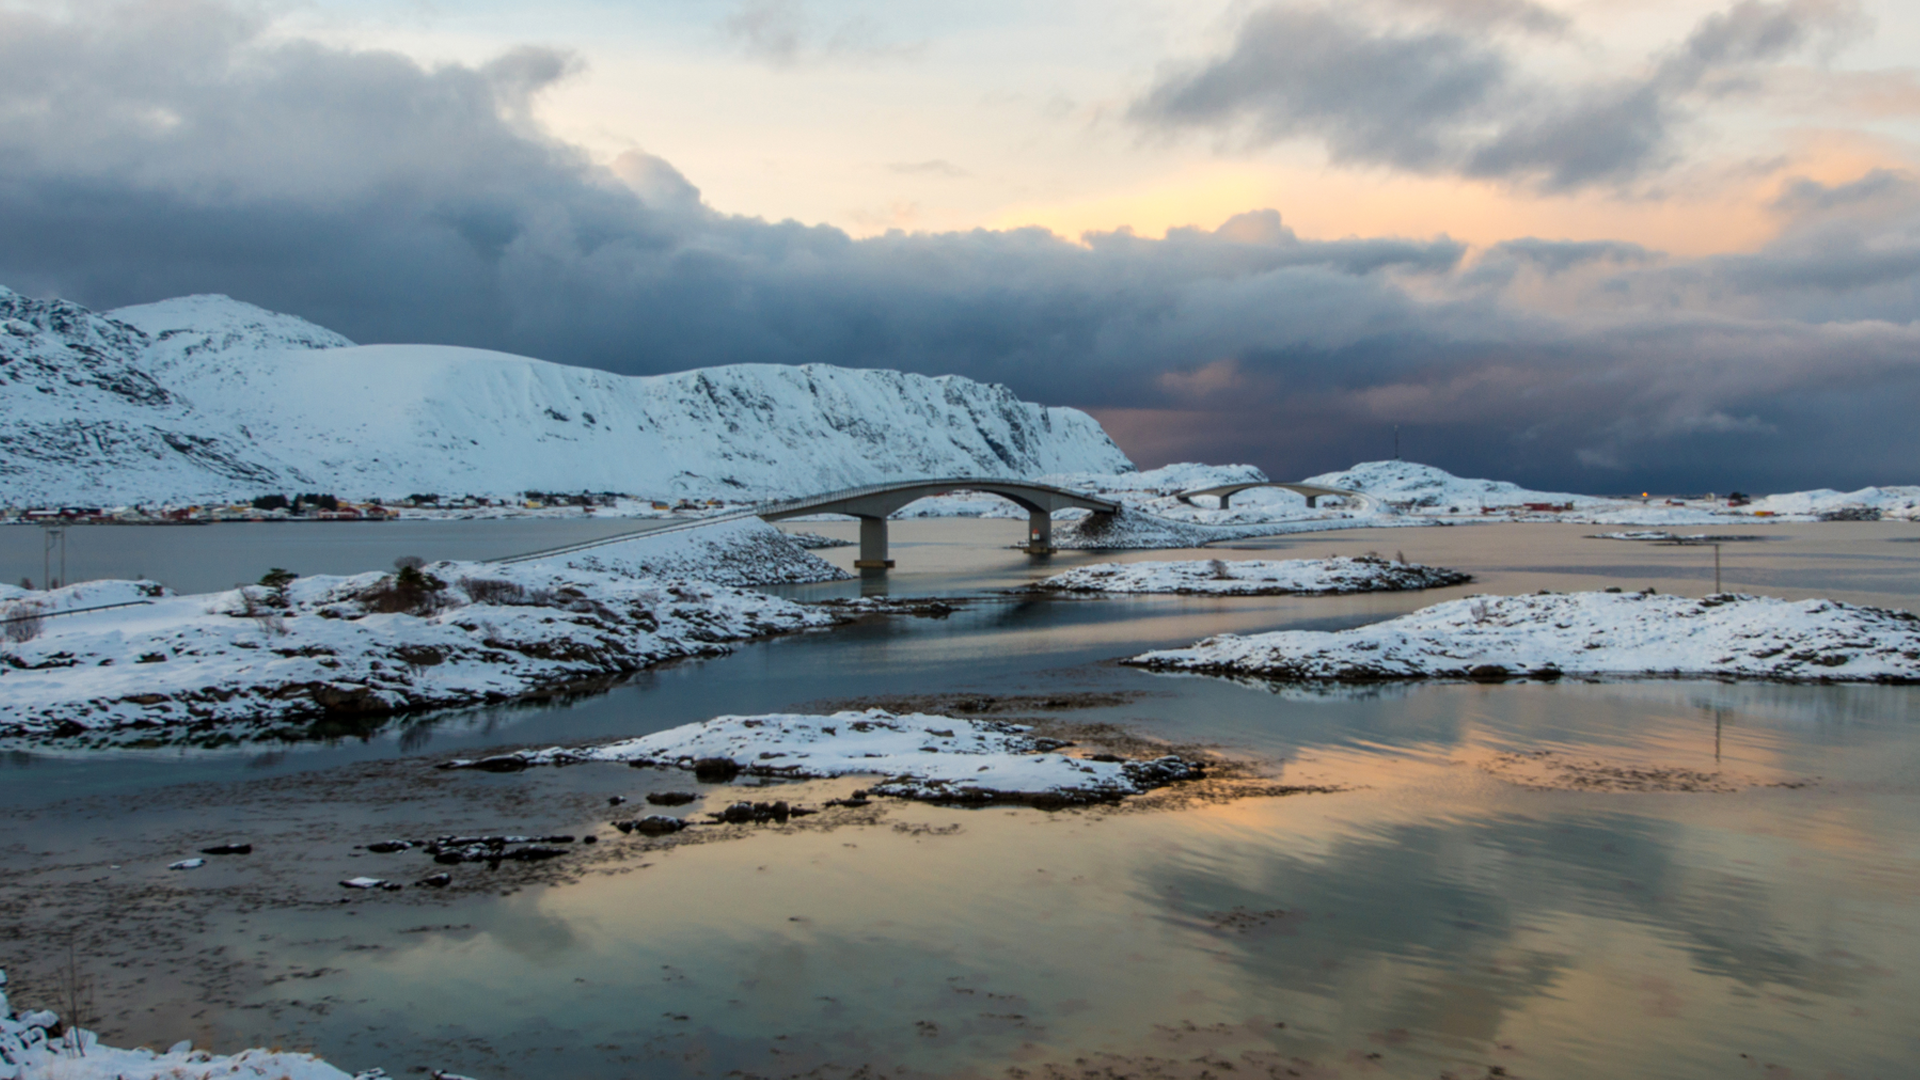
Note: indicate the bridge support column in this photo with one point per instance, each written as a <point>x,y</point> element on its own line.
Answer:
<point>1313,501</point>
<point>1039,532</point>
<point>873,545</point>
<point>1225,499</point>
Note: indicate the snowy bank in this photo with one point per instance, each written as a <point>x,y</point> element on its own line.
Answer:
<point>1616,634</point>
<point>741,552</point>
<point>932,758</point>
<point>1253,577</point>
<point>36,1046</point>
<point>1134,530</point>
<point>446,634</point>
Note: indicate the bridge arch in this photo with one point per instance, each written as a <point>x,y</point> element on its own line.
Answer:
<point>1313,492</point>
<point>874,503</point>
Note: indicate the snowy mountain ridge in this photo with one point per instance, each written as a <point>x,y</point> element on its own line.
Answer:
<point>205,398</point>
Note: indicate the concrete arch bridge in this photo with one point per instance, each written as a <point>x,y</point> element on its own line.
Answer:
<point>874,503</point>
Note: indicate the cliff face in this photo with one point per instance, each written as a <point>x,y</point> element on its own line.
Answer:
<point>208,398</point>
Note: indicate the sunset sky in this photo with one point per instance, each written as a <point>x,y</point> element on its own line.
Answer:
<point>1599,246</point>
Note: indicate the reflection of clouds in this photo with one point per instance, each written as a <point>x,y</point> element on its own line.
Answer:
<point>1454,927</point>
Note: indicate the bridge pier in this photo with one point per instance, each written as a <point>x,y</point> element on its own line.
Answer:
<point>873,545</point>
<point>1225,499</point>
<point>1313,501</point>
<point>1039,532</point>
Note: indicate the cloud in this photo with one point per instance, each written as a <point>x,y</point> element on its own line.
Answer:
<point>936,167</point>
<point>400,202</point>
<point>1448,98</point>
<point>782,34</point>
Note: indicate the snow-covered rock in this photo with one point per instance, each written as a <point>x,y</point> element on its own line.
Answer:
<point>452,634</point>
<point>1253,577</point>
<point>1602,634</point>
<point>1425,487</point>
<point>29,1052</point>
<point>205,398</point>
<point>918,756</point>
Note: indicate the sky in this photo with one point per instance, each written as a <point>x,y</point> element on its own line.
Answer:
<point>1587,246</point>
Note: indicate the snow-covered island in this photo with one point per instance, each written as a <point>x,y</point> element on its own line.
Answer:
<point>1253,577</point>
<point>930,758</point>
<point>1547,636</point>
<point>132,654</point>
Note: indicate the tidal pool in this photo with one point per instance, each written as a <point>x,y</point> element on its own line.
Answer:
<point>1440,915</point>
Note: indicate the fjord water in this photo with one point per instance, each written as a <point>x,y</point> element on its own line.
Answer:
<point>1429,919</point>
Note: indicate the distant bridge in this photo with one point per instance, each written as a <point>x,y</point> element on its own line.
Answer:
<point>1313,492</point>
<point>873,504</point>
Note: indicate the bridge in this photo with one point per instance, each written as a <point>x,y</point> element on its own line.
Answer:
<point>873,504</point>
<point>1313,492</point>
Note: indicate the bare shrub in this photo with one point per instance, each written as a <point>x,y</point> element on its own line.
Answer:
<point>1478,610</point>
<point>408,562</point>
<point>23,621</point>
<point>494,591</point>
<point>1219,568</point>
<point>257,603</point>
<point>76,994</point>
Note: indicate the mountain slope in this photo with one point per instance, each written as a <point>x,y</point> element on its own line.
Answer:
<point>207,398</point>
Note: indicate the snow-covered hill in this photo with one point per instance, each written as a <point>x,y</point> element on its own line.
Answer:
<point>1423,487</point>
<point>204,397</point>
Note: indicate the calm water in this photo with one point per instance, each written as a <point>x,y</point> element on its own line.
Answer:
<point>1431,920</point>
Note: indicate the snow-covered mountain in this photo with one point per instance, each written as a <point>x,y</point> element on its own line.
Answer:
<point>205,397</point>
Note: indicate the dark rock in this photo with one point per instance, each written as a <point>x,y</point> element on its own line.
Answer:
<point>671,798</point>
<point>436,881</point>
<point>715,770</point>
<point>745,813</point>
<point>388,847</point>
<point>658,825</point>
<point>616,800</point>
<point>1489,673</point>
<point>533,853</point>
<point>228,849</point>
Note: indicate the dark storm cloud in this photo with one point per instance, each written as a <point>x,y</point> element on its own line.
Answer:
<point>175,150</point>
<point>1448,98</point>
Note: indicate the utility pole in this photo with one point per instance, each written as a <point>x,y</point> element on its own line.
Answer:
<point>50,535</point>
<point>1716,569</point>
<point>1396,442</point>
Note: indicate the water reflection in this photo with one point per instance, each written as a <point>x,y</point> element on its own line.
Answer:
<point>1437,917</point>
